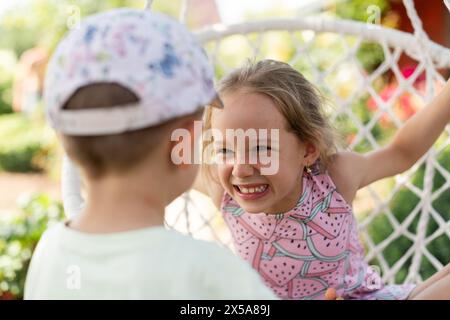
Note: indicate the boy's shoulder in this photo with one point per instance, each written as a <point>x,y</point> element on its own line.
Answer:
<point>51,234</point>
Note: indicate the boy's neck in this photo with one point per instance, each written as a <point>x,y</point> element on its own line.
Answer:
<point>119,204</point>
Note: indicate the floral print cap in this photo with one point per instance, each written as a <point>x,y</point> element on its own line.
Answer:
<point>152,55</point>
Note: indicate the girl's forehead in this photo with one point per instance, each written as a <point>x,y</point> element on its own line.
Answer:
<point>247,110</point>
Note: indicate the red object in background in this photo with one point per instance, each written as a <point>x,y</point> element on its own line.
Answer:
<point>435,21</point>
<point>404,107</point>
<point>7,296</point>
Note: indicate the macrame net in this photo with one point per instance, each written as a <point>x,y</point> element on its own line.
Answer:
<point>404,221</point>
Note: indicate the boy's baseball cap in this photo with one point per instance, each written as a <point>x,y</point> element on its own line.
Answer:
<point>152,55</point>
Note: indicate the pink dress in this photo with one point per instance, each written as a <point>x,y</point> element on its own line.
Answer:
<point>313,247</point>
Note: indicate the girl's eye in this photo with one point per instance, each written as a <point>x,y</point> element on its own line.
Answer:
<point>262,148</point>
<point>223,151</point>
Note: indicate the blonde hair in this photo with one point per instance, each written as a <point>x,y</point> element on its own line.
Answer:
<point>300,102</point>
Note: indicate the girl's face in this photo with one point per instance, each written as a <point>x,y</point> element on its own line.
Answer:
<point>254,191</point>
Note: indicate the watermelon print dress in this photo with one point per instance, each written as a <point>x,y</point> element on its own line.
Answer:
<point>313,247</point>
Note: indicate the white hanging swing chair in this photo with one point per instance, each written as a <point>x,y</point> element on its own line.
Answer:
<point>423,223</point>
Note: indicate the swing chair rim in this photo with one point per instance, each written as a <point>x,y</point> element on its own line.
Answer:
<point>366,31</point>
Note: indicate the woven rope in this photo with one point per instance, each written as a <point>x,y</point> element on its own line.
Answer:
<point>148,4</point>
<point>184,11</point>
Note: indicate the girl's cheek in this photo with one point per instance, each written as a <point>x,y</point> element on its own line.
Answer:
<point>224,173</point>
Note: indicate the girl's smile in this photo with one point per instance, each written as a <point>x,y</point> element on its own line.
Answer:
<point>252,191</point>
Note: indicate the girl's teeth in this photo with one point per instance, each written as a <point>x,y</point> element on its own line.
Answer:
<point>253,190</point>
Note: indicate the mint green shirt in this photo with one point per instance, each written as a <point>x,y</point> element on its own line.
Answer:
<point>152,263</point>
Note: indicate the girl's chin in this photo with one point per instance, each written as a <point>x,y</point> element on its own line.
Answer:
<point>252,206</point>
<point>252,210</point>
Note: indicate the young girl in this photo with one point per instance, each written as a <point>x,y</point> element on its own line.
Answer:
<point>296,227</point>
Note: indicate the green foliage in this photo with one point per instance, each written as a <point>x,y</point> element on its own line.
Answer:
<point>361,9</point>
<point>19,234</point>
<point>44,22</point>
<point>370,55</point>
<point>5,97</point>
<point>26,144</point>
<point>402,204</point>
<point>7,66</point>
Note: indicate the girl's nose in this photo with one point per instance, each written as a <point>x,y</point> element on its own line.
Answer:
<point>242,170</point>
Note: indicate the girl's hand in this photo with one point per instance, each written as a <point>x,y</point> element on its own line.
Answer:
<point>331,294</point>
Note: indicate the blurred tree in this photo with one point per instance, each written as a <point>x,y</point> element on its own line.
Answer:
<point>44,22</point>
<point>370,11</point>
<point>31,27</point>
<point>7,66</point>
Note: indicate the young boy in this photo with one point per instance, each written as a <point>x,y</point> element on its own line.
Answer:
<point>116,89</point>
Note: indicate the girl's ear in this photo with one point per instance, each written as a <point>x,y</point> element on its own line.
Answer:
<point>311,153</point>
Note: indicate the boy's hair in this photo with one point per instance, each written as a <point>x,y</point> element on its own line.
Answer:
<point>117,153</point>
<point>300,102</point>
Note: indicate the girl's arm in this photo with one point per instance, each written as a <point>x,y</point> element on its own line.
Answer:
<point>410,143</point>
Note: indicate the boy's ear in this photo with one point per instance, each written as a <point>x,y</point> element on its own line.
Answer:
<point>311,153</point>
